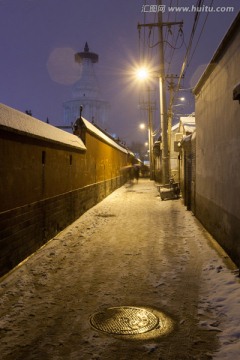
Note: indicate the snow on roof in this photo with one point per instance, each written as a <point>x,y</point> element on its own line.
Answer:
<point>187,119</point>
<point>189,128</point>
<point>93,129</point>
<point>176,126</point>
<point>188,123</point>
<point>16,121</point>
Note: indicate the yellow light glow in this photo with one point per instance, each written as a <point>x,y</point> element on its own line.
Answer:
<point>142,73</point>
<point>142,126</point>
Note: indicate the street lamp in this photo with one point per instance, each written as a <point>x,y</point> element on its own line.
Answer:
<point>142,126</point>
<point>142,73</point>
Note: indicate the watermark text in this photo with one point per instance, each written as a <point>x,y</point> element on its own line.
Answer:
<point>193,8</point>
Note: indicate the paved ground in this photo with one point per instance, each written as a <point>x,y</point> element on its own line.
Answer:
<point>132,249</point>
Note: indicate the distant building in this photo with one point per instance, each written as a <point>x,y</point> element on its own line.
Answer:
<point>187,167</point>
<point>86,92</point>
<point>178,132</point>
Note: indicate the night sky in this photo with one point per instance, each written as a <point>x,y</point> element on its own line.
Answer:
<point>39,38</point>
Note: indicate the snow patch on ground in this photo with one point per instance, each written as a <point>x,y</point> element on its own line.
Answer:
<point>221,297</point>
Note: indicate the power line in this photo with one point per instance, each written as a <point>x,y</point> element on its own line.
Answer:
<point>174,47</point>
<point>199,36</point>
<point>196,19</point>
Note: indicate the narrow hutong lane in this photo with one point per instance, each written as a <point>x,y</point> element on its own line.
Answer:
<point>133,250</point>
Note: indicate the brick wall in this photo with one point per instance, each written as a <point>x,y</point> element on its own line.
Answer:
<point>25,229</point>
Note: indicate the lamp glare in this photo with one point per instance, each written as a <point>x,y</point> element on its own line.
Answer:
<point>142,73</point>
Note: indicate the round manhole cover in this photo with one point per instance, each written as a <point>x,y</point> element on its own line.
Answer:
<point>124,320</point>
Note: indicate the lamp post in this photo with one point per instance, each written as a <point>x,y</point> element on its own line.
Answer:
<point>143,74</point>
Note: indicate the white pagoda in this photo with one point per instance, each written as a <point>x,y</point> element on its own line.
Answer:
<point>86,93</point>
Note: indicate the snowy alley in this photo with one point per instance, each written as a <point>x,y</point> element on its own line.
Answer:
<point>130,250</point>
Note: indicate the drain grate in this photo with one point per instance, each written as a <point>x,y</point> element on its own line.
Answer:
<point>125,320</point>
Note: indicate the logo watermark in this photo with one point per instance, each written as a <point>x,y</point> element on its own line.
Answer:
<point>154,8</point>
<point>193,8</point>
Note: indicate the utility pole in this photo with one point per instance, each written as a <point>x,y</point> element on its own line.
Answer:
<point>162,91</point>
<point>171,88</point>
<point>163,110</point>
<point>150,136</point>
<point>150,106</point>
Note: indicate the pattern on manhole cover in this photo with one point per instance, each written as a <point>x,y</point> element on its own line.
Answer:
<point>124,320</point>
<point>105,215</point>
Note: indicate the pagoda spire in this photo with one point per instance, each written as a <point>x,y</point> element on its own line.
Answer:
<point>86,54</point>
<point>86,47</point>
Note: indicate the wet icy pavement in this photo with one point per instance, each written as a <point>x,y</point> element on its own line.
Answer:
<point>134,250</point>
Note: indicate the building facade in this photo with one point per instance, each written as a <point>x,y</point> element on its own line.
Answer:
<point>218,144</point>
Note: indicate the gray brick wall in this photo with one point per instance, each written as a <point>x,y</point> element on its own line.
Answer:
<point>25,229</point>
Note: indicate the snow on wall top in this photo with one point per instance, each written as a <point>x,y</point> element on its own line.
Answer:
<point>93,129</point>
<point>16,121</point>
